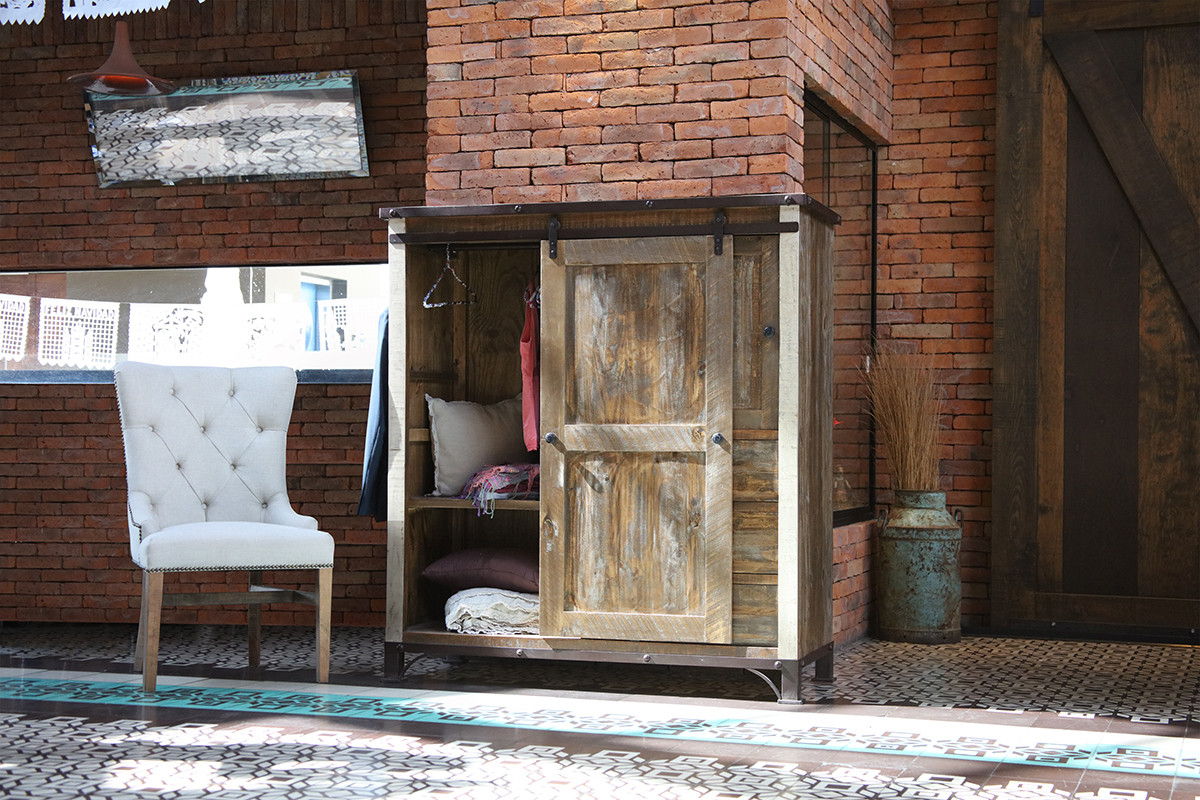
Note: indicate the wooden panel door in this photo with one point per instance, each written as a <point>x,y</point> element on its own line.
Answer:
<point>1097,500</point>
<point>637,495</point>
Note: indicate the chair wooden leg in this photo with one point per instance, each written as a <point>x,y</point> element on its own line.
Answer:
<point>254,625</point>
<point>324,605</point>
<point>152,592</point>
<point>139,649</point>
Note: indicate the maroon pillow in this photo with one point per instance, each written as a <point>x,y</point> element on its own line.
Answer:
<point>495,567</point>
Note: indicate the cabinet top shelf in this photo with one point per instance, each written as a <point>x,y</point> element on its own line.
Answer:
<point>421,503</point>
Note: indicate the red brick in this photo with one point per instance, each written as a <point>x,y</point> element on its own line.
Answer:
<point>636,171</point>
<point>601,80</point>
<point>653,132</point>
<point>676,151</point>
<point>541,46</point>
<point>567,136</point>
<point>712,129</point>
<point>674,188</point>
<point>582,173</point>
<point>576,62</point>
<point>556,26</point>
<point>585,154</point>
<point>672,112</point>
<point>593,192</point>
<point>531,157</point>
<point>602,42</point>
<point>637,95</point>
<point>561,101</point>
<point>502,140</point>
<point>626,59</point>
<point>712,53</point>
<point>710,13</point>
<point>692,73</point>
<point>496,68</point>
<point>674,37</point>
<point>708,168</point>
<point>528,8</point>
<point>460,52</point>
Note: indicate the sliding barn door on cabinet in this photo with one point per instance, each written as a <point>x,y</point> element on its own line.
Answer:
<point>637,347</point>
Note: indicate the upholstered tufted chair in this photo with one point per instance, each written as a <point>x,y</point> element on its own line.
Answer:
<point>205,463</point>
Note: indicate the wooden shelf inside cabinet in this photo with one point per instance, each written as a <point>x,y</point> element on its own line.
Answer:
<point>421,503</point>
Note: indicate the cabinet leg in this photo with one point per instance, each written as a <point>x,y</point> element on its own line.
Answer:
<point>393,661</point>
<point>789,682</point>
<point>823,668</point>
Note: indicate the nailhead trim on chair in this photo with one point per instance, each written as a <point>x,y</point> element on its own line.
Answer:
<point>240,568</point>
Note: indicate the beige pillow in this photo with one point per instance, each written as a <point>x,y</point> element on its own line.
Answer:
<point>467,437</point>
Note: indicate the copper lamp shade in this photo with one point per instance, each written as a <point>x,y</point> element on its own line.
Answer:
<point>121,74</point>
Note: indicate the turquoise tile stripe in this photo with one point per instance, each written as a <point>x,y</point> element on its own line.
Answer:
<point>725,731</point>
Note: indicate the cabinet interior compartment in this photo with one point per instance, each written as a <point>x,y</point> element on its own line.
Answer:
<point>459,352</point>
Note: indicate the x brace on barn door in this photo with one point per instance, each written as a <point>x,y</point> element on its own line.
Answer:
<point>1154,194</point>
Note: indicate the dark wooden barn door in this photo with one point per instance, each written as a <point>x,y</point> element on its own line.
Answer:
<point>637,347</point>
<point>1097,501</point>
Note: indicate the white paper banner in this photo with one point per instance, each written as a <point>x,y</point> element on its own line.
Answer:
<point>74,9</point>
<point>166,333</point>
<point>19,11</point>
<point>78,333</point>
<point>14,325</point>
<point>349,325</point>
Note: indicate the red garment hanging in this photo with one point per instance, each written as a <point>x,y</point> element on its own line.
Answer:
<point>531,391</point>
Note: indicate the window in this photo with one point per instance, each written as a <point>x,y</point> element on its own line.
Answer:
<point>305,316</point>
<point>840,170</point>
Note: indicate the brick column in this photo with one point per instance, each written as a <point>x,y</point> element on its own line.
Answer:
<point>569,100</point>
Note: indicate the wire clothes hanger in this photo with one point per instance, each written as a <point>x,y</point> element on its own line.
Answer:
<point>532,296</point>
<point>443,303</point>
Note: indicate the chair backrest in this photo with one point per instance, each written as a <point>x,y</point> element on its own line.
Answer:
<point>203,443</point>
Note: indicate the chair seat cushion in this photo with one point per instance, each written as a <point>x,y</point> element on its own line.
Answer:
<point>234,545</point>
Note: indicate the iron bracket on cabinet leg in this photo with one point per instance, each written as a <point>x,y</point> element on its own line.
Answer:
<point>787,690</point>
<point>552,235</point>
<point>823,668</point>
<point>718,231</point>
<point>396,663</point>
<point>393,661</point>
<point>789,682</point>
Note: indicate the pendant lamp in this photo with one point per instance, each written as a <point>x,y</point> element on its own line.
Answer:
<point>121,74</point>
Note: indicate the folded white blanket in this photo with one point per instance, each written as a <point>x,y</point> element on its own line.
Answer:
<point>494,611</point>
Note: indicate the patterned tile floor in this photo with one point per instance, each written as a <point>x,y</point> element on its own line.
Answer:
<point>988,718</point>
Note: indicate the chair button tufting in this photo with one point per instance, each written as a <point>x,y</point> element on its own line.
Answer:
<point>259,429</point>
<point>151,428</point>
<point>231,392</point>
<point>233,466</point>
<point>264,505</point>
<point>202,429</point>
<point>204,505</point>
<point>178,465</point>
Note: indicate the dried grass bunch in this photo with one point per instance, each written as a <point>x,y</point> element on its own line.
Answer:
<point>907,409</point>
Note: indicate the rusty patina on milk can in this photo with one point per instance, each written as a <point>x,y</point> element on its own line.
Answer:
<point>919,589</point>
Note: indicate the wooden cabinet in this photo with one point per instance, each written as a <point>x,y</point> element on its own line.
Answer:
<point>685,513</point>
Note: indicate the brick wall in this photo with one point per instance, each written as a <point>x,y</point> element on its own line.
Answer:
<point>845,54</point>
<point>935,258</point>
<point>566,100</point>
<point>851,581</point>
<point>64,552</point>
<point>55,216</point>
<point>64,541</point>
<point>528,100</point>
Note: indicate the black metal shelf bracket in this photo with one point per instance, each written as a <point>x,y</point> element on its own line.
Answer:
<point>718,231</point>
<point>552,235</point>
